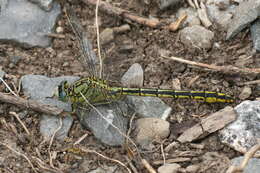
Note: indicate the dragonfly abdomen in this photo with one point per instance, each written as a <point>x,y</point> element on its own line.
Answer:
<point>209,97</point>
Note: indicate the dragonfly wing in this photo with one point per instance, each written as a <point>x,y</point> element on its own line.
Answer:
<point>88,58</point>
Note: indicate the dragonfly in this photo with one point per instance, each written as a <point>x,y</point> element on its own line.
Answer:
<point>97,91</point>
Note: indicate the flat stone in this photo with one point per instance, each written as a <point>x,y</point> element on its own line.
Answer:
<point>106,36</point>
<point>44,4</point>
<point>107,122</point>
<point>244,132</point>
<point>253,165</point>
<point>50,124</point>
<point>245,14</point>
<point>41,88</point>
<point>192,38</point>
<point>255,34</point>
<point>147,107</point>
<point>134,77</point>
<point>26,27</point>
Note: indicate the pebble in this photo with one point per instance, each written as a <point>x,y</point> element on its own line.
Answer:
<point>192,16</point>
<point>169,168</point>
<point>192,168</point>
<point>246,92</point>
<point>106,36</point>
<point>59,29</point>
<point>151,129</point>
<point>192,38</point>
<point>134,77</point>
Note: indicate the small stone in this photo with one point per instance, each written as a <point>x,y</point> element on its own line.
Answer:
<point>169,168</point>
<point>246,92</point>
<point>151,129</point>
<point>193,39</point>
<point>149,107</point>
<point>49,125</point>
<point>244,132</point>
<point>59,29</point>
<point>106,36</point>
<point>192,168</point>
<point>255,34</point>
<point>176,84</point>
<point>192,16</point>
<point>2,75</point>
<point>134,77</point>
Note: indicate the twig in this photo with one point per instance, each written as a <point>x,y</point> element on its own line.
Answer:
<point>163,155</point>
<point>20,121</point>
<point>80,139</point>
<point>148,166</point>
<point>225,69</point>
<point>250,82</point>
<point>131,164</point>
<point>54,35</point>
<point>51,141</point>
<point>31,104</point>
<point>126,15</point>
<point>248,155</point>
<point>20,154</point>
<point>105,157</point>
<point>98,41</point>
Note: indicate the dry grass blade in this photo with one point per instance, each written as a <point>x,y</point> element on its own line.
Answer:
<point>20,121</point>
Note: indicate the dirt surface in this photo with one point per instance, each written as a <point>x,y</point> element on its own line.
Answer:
<point>60,59</point>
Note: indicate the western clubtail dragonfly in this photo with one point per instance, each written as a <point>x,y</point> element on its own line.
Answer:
<point>97,91</point>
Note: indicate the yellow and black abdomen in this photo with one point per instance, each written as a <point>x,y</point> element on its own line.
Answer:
<point>209,97</point>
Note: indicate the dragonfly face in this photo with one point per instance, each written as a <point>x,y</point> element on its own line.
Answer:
<point>62,88</point>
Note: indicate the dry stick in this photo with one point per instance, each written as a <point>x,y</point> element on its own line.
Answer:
<point>105,157</point>
<point>32,104</point>
<point>224,69</point>
<point>148,166</point>
<point>248,155</point>
<point>20,154</point>
<point>20,121</point>
<point>51,141</point>
<point>98,41</point>
<point>126,15</point>
<point>6,85</point>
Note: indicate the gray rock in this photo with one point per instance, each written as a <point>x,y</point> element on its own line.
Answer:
<point>245,14</point>
<point>193,39</point>
<point>27,27</point>
<point>163,4</point>
<point>2,74</point>
<point>220,17</point>
<point>44,4</point>
<point>106,121</point>
<point>151,129</point>
<point>253,165</point>
<point>50,124</point>
<point>243,133</point>
<point>39,87</point>
<point>134,77</point>
<point>149,107</point>
<point>192,16</point>
<point>255,34</point>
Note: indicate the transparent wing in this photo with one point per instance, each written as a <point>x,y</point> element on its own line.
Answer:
<point>88,57</point>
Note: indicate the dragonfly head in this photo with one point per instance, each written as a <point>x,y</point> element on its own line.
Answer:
<point>62,91</point>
